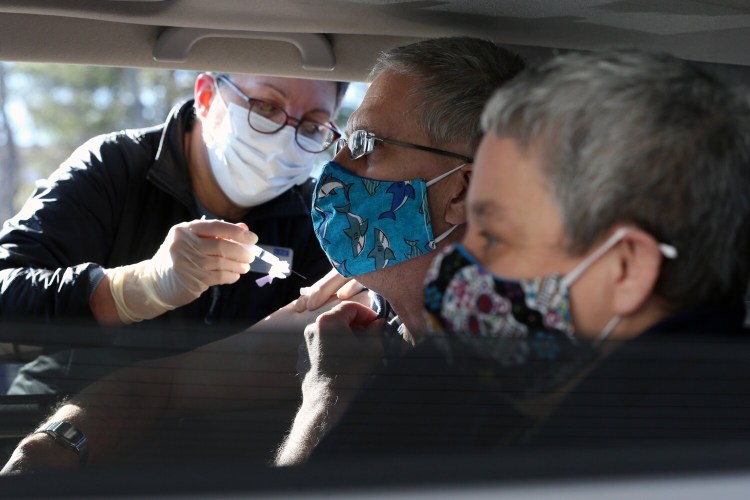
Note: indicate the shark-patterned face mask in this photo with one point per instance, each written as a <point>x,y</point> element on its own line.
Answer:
<point>364,224</point>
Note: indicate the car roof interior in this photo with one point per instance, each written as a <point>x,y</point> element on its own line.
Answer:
<point>340,39</point>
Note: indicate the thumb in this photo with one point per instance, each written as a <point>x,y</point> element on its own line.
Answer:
<point>348,315</point>
<point>360,316</point>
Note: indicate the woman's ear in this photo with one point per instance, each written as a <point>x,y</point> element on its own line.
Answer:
<point>456,211</point>
<point>204,92</point>
<point>639,261</point>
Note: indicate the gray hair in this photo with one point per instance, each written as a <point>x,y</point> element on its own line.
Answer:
<point>643,139</point>
<point>457,76</point>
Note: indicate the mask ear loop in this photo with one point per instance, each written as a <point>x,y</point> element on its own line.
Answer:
<point>576,273</point>
<point>608,329</point>
<point>434,242</point>
<point>668,251</point>
<point>443,176</point>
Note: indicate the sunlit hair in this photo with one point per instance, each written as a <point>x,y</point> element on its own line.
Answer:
<point>456,78</point>
<point>645,139</point>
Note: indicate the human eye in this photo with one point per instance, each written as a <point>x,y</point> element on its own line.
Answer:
<point>490,241</point>
<point>267,109</point>
<point>312,129</point>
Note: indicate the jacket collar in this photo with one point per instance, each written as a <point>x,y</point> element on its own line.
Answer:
<point>170,170</point>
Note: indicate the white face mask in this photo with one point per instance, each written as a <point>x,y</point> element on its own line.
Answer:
<point>250,167</point>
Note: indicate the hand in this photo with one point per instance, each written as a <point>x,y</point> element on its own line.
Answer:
<point>39,452</point>
<point>345,345</point>
<point>199,254</point>
<point>194,256</point>
<point>326,287</point>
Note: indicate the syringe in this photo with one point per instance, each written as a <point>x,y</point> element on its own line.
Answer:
<point>279,268</point>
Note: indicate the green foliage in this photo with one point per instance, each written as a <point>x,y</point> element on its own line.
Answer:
<point>70,104</point>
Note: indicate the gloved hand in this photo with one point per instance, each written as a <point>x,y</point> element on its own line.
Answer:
<point>194,256</point>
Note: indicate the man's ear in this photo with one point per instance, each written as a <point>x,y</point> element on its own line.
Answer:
<point>456,210</point>
<point>639,262</point>
<point>204,92</point>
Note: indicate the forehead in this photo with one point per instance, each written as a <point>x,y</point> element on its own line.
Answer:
<point>298,92</point>
<point>389,109</point>
<point>508,185</point>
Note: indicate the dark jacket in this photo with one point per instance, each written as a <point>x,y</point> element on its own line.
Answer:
<point>683,381</point>
<point>112,203</point>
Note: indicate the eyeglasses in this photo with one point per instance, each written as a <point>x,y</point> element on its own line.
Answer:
<point>268,118</point>
<point>361,143</point>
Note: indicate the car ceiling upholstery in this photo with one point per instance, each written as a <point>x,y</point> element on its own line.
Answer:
<point>125,32</point>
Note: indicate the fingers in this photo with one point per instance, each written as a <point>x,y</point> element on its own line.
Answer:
<point>319,293</point>
<point>300,305</point>
<point>211,260</point>
<point>347,315</point>
<point>350,289</point>
<point>214,239</point>
<point>345,341</point>
<point>223,230</point>
<point>221,277</point>
<point>225,249</point>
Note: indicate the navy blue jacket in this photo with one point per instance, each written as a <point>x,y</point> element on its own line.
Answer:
<point>112,203</point>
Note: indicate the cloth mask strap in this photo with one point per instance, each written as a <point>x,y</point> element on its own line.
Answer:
<point>433,243</point>
<point>443,176</point>
<point>608,329</point>
<point>667,251</point>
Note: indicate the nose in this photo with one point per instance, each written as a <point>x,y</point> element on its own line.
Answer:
<point>292,121</point>
<point>344,158</point>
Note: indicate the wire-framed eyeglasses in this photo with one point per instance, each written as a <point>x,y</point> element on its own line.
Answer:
<point>268,118</point>
<point>362,142</point>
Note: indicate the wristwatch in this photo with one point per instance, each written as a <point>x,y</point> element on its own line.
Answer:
<point>67,435</point>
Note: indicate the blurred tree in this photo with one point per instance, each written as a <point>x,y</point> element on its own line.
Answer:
<point>9,162</point>
<point>69,104</point>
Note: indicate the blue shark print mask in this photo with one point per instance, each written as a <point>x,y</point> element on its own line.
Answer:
<point>364,224</point>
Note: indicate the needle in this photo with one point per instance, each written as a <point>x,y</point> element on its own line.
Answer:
<point>298,274</point>
<point>274,261</point>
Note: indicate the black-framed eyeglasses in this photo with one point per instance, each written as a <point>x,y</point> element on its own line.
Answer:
<point>362,142</point>
<point>268,118</point>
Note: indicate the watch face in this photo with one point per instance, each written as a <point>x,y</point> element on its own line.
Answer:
<point>67,435</point>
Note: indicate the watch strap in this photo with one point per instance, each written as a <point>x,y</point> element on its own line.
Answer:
<point>68,436</point>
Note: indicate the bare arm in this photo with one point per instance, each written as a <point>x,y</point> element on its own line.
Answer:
<point>251,369</point>
<point>344,346</point>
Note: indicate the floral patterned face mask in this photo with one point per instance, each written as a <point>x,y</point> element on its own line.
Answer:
<point>518,323</point>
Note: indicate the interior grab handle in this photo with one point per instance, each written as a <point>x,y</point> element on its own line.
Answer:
<point>174,44</point>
